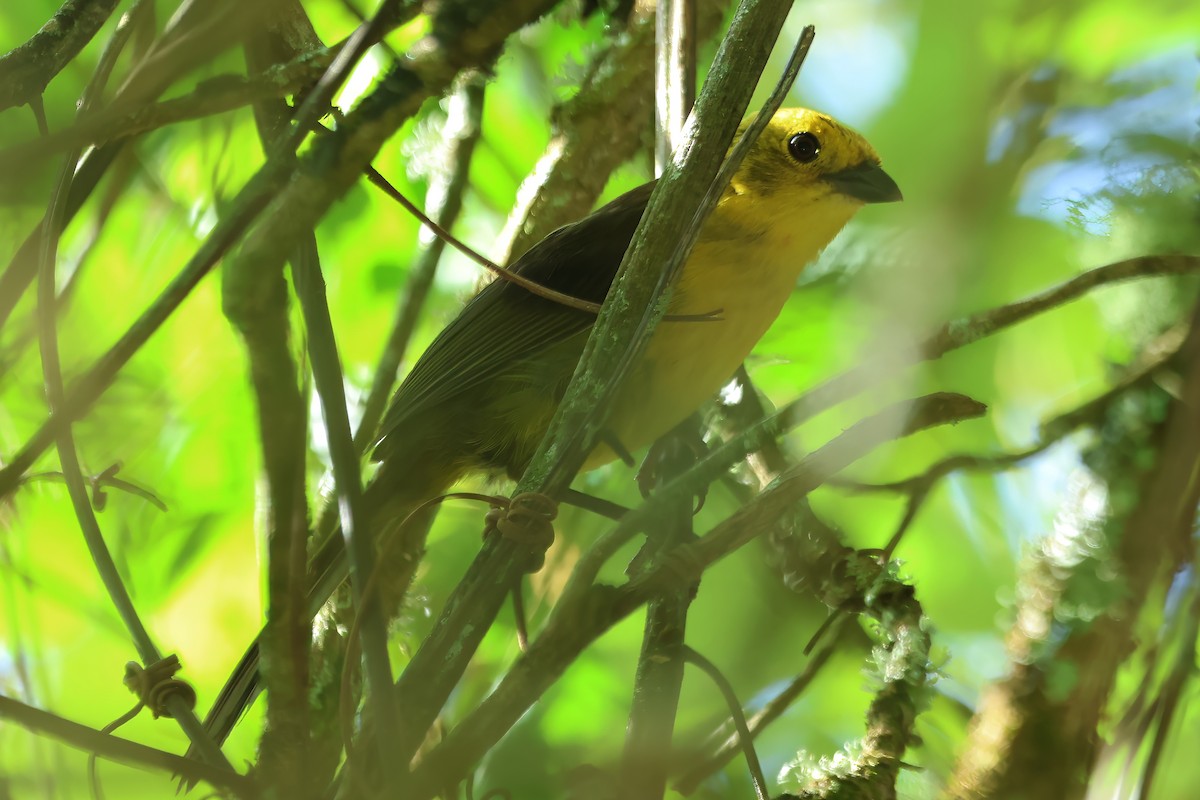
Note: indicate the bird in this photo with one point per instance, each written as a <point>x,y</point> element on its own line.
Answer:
<point>482,394</point>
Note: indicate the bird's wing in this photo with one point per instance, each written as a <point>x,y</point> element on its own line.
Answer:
<point>505,324</point>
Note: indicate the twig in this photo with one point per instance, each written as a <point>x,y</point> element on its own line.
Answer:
<point>445,196</point>
<point>93,775</point>
<point>917,487</point>
<point>510,275</point>
<point>732,742</point>
<point>212,97</point>
<point>870,768</point>
<point>120,750</point>
<point>675,75</point>
<point>970,329</point>
<point>745,739</point>
<point>358,14</point>
<point>104,480</point>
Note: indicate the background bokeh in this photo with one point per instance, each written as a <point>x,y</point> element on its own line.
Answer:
<point>1032,140</point>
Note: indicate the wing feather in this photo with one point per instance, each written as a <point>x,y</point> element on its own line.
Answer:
<point>504,325</point>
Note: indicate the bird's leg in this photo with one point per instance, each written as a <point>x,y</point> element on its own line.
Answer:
<point>609,439</point>
<point>596,505</point>
<point>685,439</point>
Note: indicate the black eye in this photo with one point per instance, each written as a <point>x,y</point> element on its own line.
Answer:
<point>804,147</point>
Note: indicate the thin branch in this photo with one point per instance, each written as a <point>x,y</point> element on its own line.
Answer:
<point>869,768</point>
<point>327,372</point>
<point>731,741</point>
<point>93,774</point>
<point>745,738</point>
<point>26,70</point>
<point>104,480</point>
<point>120,750</point>
<point>444,235</point>
<point>675,75</point>
<point>970,329</point>
<point>1151,361</point>
<point>212,97</point>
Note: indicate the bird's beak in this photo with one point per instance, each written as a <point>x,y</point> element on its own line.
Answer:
<point>866,182</point>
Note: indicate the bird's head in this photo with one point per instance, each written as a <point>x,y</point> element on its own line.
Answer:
<point>807,173</point>
<point>804,157</point>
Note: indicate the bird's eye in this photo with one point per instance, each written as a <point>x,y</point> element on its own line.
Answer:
<point>804,147</point>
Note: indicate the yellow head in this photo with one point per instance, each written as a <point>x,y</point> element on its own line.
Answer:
<point>813,152</point>
<point>806,170</point>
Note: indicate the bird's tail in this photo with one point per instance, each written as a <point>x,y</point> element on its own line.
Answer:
<point>388,504</point>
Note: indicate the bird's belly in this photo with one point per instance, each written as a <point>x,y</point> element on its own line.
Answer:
<point>686,362</point>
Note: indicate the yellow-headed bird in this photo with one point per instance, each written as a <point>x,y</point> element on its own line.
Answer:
<point>482,395</point>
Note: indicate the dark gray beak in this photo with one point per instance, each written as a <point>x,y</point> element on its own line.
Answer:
<point>866,182</point>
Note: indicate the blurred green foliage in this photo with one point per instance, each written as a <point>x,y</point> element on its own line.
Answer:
<point>1032,141</point>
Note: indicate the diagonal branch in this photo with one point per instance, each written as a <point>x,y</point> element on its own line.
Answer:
<point>581,616</point>
<point>120,750</point>
<point>26,70</point>
<point>214,96</point>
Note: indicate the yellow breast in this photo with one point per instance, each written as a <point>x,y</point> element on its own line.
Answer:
<point>748,279</point>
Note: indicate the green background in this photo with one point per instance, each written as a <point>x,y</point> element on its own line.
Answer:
<point>1031,140</point>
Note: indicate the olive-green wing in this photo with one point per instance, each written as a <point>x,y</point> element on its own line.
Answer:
<point>505,324</point>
